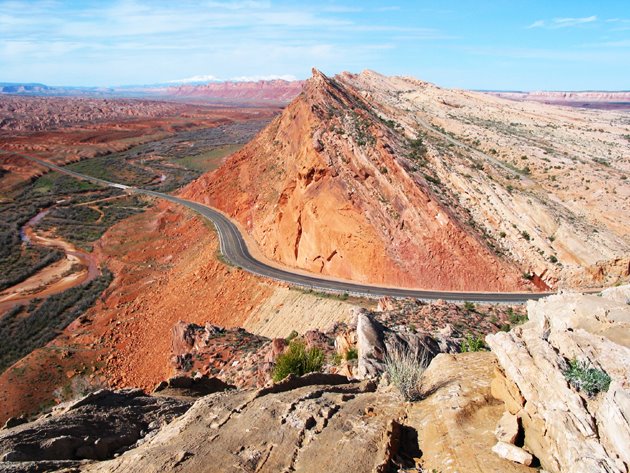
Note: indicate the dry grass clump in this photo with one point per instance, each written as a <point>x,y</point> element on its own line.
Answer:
<point>405,369</point>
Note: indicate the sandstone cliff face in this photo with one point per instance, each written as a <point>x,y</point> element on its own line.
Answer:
<point>327,187</point>
<point>566,428</point>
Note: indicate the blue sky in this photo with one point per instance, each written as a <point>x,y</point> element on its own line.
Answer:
<point>481,44</point>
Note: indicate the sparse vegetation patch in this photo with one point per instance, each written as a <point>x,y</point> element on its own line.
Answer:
<point>298,360</point>
<point>583,377</point>
<point>22,330</point>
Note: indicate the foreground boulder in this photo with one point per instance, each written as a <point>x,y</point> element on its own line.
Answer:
<point>568,429</point>
<point>375,340</point>
<point>315,423</point>
<point>454,423</point>
<point>95,427</point>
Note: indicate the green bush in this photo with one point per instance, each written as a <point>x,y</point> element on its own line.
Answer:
<point>352,354</point>
<point>469,306</point>
<point>516,319</point>
<point>298,360</point>
<point>585,378</point>
<point>472,343</point>
<point>291,336</point>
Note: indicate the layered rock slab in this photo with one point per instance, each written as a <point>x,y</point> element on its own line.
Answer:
<point>94,427</point>
<point>289,427</point>
<point>567,429</point>
<point>455,422</point>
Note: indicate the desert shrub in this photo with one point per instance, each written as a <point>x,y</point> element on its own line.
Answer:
<point>472,343</point>
<point>298,360</point>
<point>352,354</point>
<point>516,319</point>
<point>583,377</point>
<point>405,369</point>
<point>417,149</point>
<point>469,306</point>
<point>336,359</point>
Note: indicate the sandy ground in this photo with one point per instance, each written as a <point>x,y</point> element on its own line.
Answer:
<point>77,267</point>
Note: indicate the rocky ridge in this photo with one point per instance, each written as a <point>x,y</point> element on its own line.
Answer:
<point>327,187</point>
<point>363,171</point>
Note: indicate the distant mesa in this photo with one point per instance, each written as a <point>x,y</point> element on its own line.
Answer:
<point>277,91</point>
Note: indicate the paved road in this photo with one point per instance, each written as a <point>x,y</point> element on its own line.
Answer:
<point>235,250</point>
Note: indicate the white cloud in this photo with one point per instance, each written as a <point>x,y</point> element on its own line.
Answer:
<point>200,78</point>
<point>562,22</point>
<point>144,41</point>
<point>568,22</point>
<point>537,24</point>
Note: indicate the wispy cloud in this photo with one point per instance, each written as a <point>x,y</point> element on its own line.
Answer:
<point>139,38</point>
<point>557,23</point>
<point>199,78</point>
<point>537,24</point>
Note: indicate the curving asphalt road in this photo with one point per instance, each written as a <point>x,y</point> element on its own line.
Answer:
<point>234,249</point>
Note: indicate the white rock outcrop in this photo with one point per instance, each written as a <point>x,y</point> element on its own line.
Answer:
<point>513,453</point>
<point>568,430</point>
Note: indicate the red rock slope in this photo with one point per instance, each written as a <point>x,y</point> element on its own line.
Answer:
<point>327,187</point>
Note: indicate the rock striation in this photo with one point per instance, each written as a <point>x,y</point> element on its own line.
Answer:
<point>569,429</point>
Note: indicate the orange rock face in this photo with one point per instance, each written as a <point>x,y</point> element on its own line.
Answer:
<point>323,188</point>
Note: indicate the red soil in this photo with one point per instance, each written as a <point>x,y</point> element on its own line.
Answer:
<point>165,271</point>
